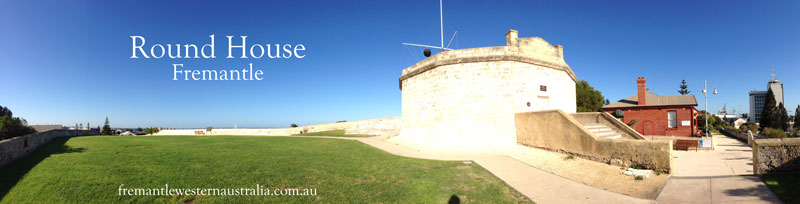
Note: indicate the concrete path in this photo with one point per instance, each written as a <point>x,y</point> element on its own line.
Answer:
<point>720,176</point>
<point>538,185</point>
<point>723,175</point>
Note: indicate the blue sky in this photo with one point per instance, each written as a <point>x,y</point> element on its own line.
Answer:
<point>67,62</point>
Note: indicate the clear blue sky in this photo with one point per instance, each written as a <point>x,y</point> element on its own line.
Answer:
<point>67,62</point>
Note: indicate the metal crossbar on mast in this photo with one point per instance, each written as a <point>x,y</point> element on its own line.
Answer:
<point>441,34</point>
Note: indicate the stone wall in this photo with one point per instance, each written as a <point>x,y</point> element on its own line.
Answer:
<point>466,99</point>
<point>609,121</point>
<point>557,131</point>
<point>776,155</point>
<point>15,148</point>
<point>378,126</point>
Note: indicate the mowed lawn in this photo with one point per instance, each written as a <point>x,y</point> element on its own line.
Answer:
<point>91,169</point>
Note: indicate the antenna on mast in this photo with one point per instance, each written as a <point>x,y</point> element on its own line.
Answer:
<point>441,27</point>
<point>441,36</point>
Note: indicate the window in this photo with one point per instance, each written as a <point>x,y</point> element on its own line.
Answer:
<point>543,88</point>
<point>672,116</point>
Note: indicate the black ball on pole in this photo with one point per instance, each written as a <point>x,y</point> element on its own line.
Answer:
<point>427,52</point>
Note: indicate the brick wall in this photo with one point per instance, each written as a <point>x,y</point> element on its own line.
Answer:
<point>654,120</point>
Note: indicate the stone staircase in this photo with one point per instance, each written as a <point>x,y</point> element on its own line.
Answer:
<point>602,131</point>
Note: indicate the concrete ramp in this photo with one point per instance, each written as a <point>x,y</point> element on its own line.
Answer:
<point>600,137</point>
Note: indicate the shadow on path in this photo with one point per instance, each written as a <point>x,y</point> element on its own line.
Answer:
<point>13,173</point>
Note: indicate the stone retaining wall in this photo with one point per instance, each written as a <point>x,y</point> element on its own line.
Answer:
<point>379,126</point>
<point>776,155</point>
<point>556,131</point>
<point>609,121</point>
<point>15,148</point>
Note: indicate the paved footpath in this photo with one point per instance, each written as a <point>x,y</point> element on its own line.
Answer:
<point>536,184</point>
<point>720,176</point>
<point>724,175</point>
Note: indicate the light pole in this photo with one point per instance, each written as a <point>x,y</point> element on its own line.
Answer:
<point>705,94</point>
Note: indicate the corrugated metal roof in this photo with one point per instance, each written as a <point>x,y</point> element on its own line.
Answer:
<point>655,100</point>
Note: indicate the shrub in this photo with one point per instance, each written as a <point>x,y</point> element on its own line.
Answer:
<point>632,123</point>
<point>209,128</point>
<point>774,133</point>
<point>151,130</point>
<point>13,127</point>
<point>293,125</point>
<point>751,126</point>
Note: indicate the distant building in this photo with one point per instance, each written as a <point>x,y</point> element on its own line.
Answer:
<point>657,115</point>
<point>757,98</point>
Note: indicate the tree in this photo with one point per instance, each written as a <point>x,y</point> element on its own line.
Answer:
<point>587,99</point>
<point>713,121</point>
<point>797,119</point>
<point>12,126</point>
<point>293,125</point>
<point>683,90</point>
<point>5,112</point>
<point>769,115</point>
<point>606,103</point>
<point>140,129</point>
<point>783,118</point>
<point>209,128</point>
<point>106,128</point>
<point>151,130</point>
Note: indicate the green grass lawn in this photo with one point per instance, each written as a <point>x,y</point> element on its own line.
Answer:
<point>786,186</point>
<point>91,169</point>
<point>334,133</point>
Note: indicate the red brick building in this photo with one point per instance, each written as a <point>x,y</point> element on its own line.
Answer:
<point>673,115</point>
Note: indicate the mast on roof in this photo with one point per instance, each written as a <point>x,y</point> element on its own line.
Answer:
<point>441,36</point>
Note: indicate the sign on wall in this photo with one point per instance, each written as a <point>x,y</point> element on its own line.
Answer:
<point>686,123</point>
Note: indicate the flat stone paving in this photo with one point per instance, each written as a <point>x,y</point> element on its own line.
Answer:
<point>724,175</point>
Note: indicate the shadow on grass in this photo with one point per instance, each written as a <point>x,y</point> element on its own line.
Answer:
<point>13,173</point>
<point>454,200</point>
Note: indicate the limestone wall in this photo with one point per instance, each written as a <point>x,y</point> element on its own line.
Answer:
<point>378,126</point>
<point>557,131</point>
<point>466,99</point>
<point>15,148</point>
<point>606,119</point>
<point>776,155</point>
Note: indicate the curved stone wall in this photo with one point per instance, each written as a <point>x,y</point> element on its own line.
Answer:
<point>466,99</point>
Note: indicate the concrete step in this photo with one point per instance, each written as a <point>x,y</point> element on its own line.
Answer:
<point>602,131</point>
<point>614,136</point>
<point>593,125</point>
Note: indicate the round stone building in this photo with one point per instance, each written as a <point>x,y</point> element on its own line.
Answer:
<point>466,99</point>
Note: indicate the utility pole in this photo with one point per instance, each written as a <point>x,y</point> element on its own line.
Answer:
<point>705,93</point>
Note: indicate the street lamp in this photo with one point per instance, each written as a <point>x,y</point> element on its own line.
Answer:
<point>705,94</point>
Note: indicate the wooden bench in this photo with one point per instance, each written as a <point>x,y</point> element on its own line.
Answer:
<point>686,144</point>
<point>199,132</point>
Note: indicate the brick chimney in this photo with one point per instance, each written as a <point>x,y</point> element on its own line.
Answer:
<point>640,85</point>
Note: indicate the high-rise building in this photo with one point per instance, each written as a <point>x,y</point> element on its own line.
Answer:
<point>756,105</point>
<point>757,98</point>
